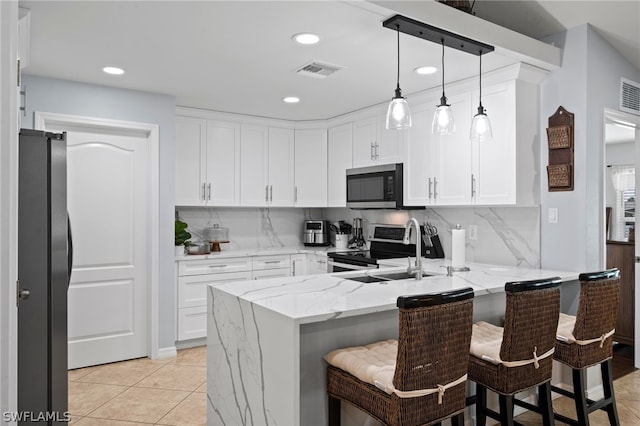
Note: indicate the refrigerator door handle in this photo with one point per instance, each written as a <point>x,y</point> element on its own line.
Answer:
<point>69,250</point>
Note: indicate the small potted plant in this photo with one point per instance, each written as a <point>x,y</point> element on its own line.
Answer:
<point>182,237</point>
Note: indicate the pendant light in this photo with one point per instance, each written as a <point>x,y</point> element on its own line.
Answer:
<point>398,114</point>
<point>480,126</point>
<point>443,118</point>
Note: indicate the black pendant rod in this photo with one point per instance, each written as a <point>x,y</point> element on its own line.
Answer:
<point>436,35</point>
<point>398,62</point>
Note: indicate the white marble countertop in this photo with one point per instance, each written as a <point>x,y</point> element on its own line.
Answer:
<point>270,251</point>
<point>315,298</point>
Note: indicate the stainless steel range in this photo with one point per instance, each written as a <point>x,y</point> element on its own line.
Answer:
<point>386,242</point>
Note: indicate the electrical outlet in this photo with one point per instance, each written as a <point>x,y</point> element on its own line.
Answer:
<point>553,215</point>
<point>473,232</point>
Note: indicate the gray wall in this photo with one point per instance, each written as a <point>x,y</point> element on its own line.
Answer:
<point>68,97</point>
<point>587,83</point>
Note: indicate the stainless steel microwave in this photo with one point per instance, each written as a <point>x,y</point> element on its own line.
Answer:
<point>375,187</point>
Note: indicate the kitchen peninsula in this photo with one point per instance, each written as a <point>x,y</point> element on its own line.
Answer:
<point>266,338</point>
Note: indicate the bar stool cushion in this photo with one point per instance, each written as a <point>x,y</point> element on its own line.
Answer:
<point>374,363</point>
<point>486,340</point>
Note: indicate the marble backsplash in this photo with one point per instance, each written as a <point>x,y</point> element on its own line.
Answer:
<point>505,235</point>
<point>250,228</point>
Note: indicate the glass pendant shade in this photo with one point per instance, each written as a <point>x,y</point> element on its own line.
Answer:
<point>443,122</point>
<point>398,114</point>
<point>481,126</point>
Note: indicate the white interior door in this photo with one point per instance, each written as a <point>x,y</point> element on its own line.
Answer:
<point>108,189</point>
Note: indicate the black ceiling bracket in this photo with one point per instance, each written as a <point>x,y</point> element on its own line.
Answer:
<point>436,35</point>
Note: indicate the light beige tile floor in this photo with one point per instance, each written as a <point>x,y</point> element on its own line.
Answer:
<point>173,392</point>
<point>141,391</point>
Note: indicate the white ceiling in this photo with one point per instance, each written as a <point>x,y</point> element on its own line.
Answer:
<point>238,56</point>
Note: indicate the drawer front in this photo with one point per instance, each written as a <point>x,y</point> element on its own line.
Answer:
<point>214,266</point>
<point>192,290</point>
<point>192,323</point>
<point>317,264</point>
<point>271,273</point>
<point>271,262</point>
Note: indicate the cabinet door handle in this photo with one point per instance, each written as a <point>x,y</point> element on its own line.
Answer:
<point>266,193</point>
<point>209,196</point>
<point>293,268</point>
<point>371,150</point>
<point>435,188</point>
<point>204,192</point>
<point>430,193</point>
<point>295,194</point>
<point>271,193</point>
<point>271,262</point>
<point>473,186</point>
<point>218,266</point>
<point>377,152</point>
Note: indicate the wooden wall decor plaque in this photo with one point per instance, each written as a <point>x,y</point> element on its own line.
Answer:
<point>560,144</point>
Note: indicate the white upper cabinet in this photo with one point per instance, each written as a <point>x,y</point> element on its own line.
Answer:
<point>191,138</point>
<point>222,163</point>
<point>438,167</point>
<point>373,144</point>
<point>452,157</point>
<point>311,168</point>
<point>207,162</point>
<point>281,167</point>
<point>494,166</point>
<point>340,158</point>
<point>266,166</point>
<point>418,169</point>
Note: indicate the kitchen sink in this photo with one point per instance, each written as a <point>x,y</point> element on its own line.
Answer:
<point>392,276</point>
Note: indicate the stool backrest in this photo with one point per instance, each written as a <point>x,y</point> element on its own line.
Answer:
<point>598,304</point>
<point>531,318</point>
<point>434,338</point>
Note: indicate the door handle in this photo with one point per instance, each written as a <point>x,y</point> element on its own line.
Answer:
<point>266,193</point>
<point>430,188</point>
<point>435,188</point>
<point>24,294</point>
<point>209,197</point>
<point>204,191</point>
<point>271,193</point>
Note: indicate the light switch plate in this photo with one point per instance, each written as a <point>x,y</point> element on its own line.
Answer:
<point>553,215</point>
<point>473,232</point>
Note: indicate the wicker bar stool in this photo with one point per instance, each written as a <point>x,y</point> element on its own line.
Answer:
<point>519,356</point>
<point>586,339</point>
<point>419,379</point>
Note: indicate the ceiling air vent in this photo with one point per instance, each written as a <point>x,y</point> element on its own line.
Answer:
<point>629,96</point>
<point>318,69</point>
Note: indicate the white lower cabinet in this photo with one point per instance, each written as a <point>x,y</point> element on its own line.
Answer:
<point>193,279</point>
<point>298,264</point>
<point>271,266</point>
<point>317,263</point>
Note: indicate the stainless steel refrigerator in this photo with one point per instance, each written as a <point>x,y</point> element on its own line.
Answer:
<point>44,268</point>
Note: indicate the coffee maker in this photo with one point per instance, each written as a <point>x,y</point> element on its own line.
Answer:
<point>357,236</point>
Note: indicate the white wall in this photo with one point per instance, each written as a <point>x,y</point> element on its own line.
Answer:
<point>67,97</point>
<point>587,83</point>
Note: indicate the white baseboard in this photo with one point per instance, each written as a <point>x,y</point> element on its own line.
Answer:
<point>186,344</point>
<point>169,352</point>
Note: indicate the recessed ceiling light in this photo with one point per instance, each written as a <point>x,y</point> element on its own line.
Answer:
<point>291,99</point>
<point>113,70</point>
<point>306,38</point>
<point>425,70</point>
